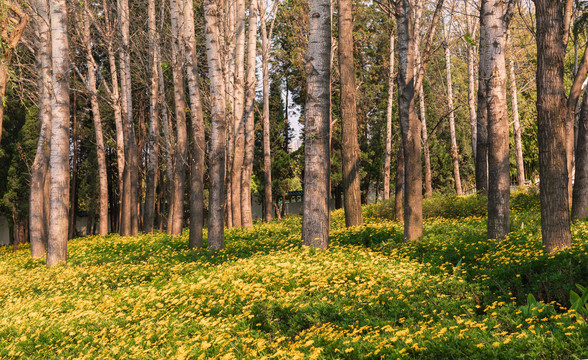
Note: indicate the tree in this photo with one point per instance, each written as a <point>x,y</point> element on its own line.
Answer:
<point>39,199</point>
<point>59,159</point>
<point>580,194</point>
<point>217,133</point>
<point>13,21</point>
<point>552,17</point>
<point>516,125</point>
<point>248,118</point>
<point>350,146</point>
<point>388,148</point>
<point>408,13</point>
<point>315,215</point>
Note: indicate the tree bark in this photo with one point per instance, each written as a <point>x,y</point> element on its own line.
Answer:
<point>153,142</point>
<point>217,135</point>
<point>580,194</point>
<point>482,115</point>
<point>551,123</point>
<point>471,85</point>
<point>197,121</point>
<point>496,19</point>
<point>59,163</point>
<point>315,215</point>
<point>100,154</point>
<point>267,161</point>
<point>388,153</point>
<point>248,118</point>
<point>516,126</point>
<point>349,144</point>
<point>73,207</point>
<point>38,213</point>
<point>399,189</point>
<point>130,221</point>
<point>454,150</point>
<point>239,124</point>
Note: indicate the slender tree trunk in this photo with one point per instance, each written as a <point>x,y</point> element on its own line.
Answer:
<point>59,164</point>
<point>267,160</point>
<point>349,143</point>
<point>73,207</point>
<point>315,215</point>
<point>197,120</point>
<point>496,19</point>
<point>399,189</point>
<point>230,34</point>
<point>246,215</point>
<point>239,124</point>
<point>217,134</point>
<point>454,150</point>
<point>551,123</point>
<point>181,144</point>
<point>129,223</point>
<point>38,214</point>
<point>153,142</point>
<point>100,154</point>
<point>580,194</point>
<point>388,153</point>
<point>471,85</point>
<point>516,126</point>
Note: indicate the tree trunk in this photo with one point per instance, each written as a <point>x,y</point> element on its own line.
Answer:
<point>454,150</point>
<point>551,121</point>
<point>38,213</point>
<point>130,224</point>
<point>482,116</point>
<point>267,161</point>
<point>517,126</point>
<point>73,207</point>
<point>315,215</point>
<point>350,154</point>
<point>388,153</point>
<point>100,154</point>
<point>217,134</point>
<point>399,189</point>
<point>425,135</point>
<point>59,163</point>
<point>239,124</point>
<point>496,19</point>
<point>471,85</point>
<point>248,115</point>
<point>580,194</point>
<point>197,121</point>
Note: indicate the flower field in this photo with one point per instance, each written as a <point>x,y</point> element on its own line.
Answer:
<point>453,295</point>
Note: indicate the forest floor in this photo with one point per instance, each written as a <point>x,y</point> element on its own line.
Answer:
<point>452,295</point>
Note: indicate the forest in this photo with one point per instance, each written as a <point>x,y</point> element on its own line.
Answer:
<point>290,179</point>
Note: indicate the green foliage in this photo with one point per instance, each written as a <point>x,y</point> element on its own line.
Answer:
<point>580,302</point>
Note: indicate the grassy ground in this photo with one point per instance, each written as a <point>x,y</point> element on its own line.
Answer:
<point>453,295</point>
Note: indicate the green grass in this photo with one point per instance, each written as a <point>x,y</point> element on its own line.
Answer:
<point>452,295</point>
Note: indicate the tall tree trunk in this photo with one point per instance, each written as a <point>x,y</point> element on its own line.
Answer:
<point>349,144</point>
<point>267,161</point>
<point>580,194</point>
<point>38,214</point>
<point>217,133</point>
<point>197,121</point>
<point>516,126</point>
<point>388,153</point>
<point>59,164</point>
<point>454,150</point>
<point>471,84</point>
<point>399,189</point>
<point>73,207</point>
<point>239,124</point>
<point>153,142</point>
<point>100,154</point>
<point>482,116</point>
<point>497,16</point>
<point>315,213</point>
<point>130,224</point>
<point>551,123</point>
<point>181,151</point>
<point>248,115</point>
